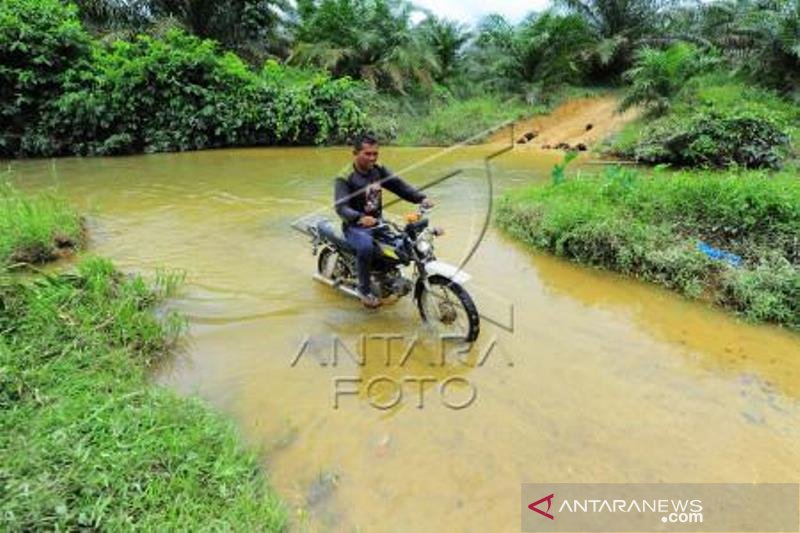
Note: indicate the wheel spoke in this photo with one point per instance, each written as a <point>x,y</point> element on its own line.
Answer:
<point>445,311</point>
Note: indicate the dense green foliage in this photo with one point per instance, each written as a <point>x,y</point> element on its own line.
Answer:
<point>176,92</point>
<point>744,113</point>
<point>251,28</point>
<point>709,139</point>
<point>382,42</point>
<point>35,229</point>
<point>658,75</point>
<point>201,99</point>
<point>446,39</point>
<point>650,227</point>
<point>39,41</point>
<point>148,81</point>
<point>368,39</point>
<point>759,38</point>
<point>543,51</point>
<point>716,121</point>
<point>619,27</point>
<point>86,443</point>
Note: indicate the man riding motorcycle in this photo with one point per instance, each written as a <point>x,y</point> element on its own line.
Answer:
<point>358,202</point>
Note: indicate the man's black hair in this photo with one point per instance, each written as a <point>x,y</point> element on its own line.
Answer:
<point>362,139</point>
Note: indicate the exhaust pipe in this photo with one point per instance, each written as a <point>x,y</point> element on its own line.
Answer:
<point>330,283</point>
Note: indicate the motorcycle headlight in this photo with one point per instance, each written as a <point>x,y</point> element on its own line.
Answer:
<point>424,247</point>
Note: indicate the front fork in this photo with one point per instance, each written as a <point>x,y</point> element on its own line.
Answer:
<point>422,283</point>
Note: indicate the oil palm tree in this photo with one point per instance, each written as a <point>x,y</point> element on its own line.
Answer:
<point>250,27</point>
<point>620,27</point>
<point>760,37</point>
<point>543,50</point>
<point>447,39</point>
<point>373,40</point>
<point>658,75</point>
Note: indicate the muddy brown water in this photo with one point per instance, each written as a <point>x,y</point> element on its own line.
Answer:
<point>602,379</point>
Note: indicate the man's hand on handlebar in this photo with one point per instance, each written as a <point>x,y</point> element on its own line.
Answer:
<point>367,221</point>
<point>427,203</point>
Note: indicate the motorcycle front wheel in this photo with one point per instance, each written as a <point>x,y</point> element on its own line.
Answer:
<point>449,308</point>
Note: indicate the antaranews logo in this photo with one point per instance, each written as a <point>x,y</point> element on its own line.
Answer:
<point>546,513</point>
<point>676,507</point>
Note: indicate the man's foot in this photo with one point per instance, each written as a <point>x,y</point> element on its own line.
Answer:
<point>369,300</point>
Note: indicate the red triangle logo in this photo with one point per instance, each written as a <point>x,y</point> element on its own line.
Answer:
<point>546,514</point>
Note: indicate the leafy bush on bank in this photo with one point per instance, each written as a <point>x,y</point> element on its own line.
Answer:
<point>650,228</point>
<point>40,40</point>
<point>173,93</point>
<point>715,122</point>
<point>712,140</point>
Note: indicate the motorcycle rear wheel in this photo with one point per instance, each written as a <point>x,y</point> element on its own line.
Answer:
<point>448,307</point>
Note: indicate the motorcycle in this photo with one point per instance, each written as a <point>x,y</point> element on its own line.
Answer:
<point>437,287</point>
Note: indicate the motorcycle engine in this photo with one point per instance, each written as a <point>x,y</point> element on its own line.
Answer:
<point>395,285</point>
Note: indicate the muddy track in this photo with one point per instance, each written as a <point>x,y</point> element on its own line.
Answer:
<point>584,121</point>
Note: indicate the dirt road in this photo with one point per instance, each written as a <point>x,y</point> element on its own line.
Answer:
<point>583,121</point>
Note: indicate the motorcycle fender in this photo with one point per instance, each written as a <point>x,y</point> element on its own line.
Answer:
<point>450,272</point>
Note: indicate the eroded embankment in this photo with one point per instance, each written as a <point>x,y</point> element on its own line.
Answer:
<point>579,122</point>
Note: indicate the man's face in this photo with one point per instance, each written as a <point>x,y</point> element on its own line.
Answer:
<point>366,158</point>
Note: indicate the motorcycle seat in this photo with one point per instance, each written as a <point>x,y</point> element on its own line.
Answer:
<point>329,233</point>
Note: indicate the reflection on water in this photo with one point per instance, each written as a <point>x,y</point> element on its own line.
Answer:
<point>765,353</point>
<point>600,379</point>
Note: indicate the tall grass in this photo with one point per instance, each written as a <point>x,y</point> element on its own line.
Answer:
<point>458,120</point>
<point>35,229</point>
<point>650,227</point>
<point>85,442</point>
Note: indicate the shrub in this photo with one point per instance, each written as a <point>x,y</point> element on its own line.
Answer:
<point>39,41</point>
<point>713,140</point>
<point>63,94</point>
<point>769,292</point>
<point>149,95</point>
<point>180,93</point>
<point>715,121</point>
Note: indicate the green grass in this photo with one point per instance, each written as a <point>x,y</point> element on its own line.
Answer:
<point>36,229</point>
<point>649,227</point>
<point>459,120</point>
<point>86,442</point>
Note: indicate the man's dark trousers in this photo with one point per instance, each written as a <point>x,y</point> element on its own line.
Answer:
<point>361,240</point>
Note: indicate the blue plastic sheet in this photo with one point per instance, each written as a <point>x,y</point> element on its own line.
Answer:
<point>720,255</point>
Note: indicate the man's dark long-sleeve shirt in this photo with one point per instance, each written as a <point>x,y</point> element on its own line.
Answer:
<point>360,194</point>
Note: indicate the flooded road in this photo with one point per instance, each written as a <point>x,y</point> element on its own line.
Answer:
<point>596,378</point>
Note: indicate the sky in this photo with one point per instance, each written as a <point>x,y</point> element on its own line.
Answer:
<point>470,11</point>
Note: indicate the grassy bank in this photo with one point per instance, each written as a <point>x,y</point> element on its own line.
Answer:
<point>36,229</point>
<point>85,441</point>
<point>651,227</point>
